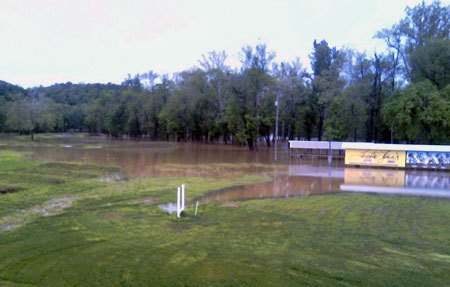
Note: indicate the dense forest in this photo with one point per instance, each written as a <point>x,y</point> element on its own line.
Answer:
<point>401,95</point>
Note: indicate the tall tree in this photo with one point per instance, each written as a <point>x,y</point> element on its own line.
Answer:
<point>348,110</point>
<point>292,93</point>
<point>19,116</point>
<point>420,114</point>
<point>326,65</point>
<point>155,103</point>
<point>257,79</point>
<point>431,61</point>
<point>421,24</point>
<point>218,80</point>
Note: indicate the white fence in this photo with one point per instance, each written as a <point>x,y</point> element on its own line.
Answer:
<point>316,145</point>
<point>367,146</point>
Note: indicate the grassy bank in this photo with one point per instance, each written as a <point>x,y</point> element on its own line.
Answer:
<point>73,225</point>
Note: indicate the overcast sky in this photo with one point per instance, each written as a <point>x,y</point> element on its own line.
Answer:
<point>47,41</point>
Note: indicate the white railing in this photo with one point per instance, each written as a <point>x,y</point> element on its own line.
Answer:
<point>316,145</point>
<point>367,146</point>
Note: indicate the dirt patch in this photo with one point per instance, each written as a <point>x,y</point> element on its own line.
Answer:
<point>150,200</point>
<point>231,205</point>
<point>55,181</point>
<point>112,215</point>
<point>321,213</point>
<point>6,190</point>
<point>179,227</point>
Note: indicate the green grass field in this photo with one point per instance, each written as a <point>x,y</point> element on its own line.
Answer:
<point>63,224</point>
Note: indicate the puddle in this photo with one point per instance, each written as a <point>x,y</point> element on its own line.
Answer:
<point>280,187</point>
<point>169,207</point>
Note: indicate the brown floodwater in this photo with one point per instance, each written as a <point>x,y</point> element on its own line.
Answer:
<point>290,178</point>
<point>143,158</point>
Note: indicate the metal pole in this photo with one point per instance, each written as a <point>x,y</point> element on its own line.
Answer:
<point>276,127</point>
<point>330,153</point>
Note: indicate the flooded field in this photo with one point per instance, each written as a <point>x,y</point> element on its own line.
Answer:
<point>83,211</point>
<point>290,177</point>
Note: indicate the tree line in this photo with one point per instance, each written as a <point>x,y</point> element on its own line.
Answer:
<point>401,95</point>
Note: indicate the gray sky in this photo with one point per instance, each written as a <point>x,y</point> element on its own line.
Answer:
<point>48,41</point>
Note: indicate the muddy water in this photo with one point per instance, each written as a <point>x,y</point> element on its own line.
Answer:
<point>291,178</point>
<point>305,180</point>
<point>282,186</point>
<point>138,159</point>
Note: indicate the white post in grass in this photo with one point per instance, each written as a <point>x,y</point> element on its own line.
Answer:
<point>182,197</point>
<point>196,208</point>
<point>179,202</point>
